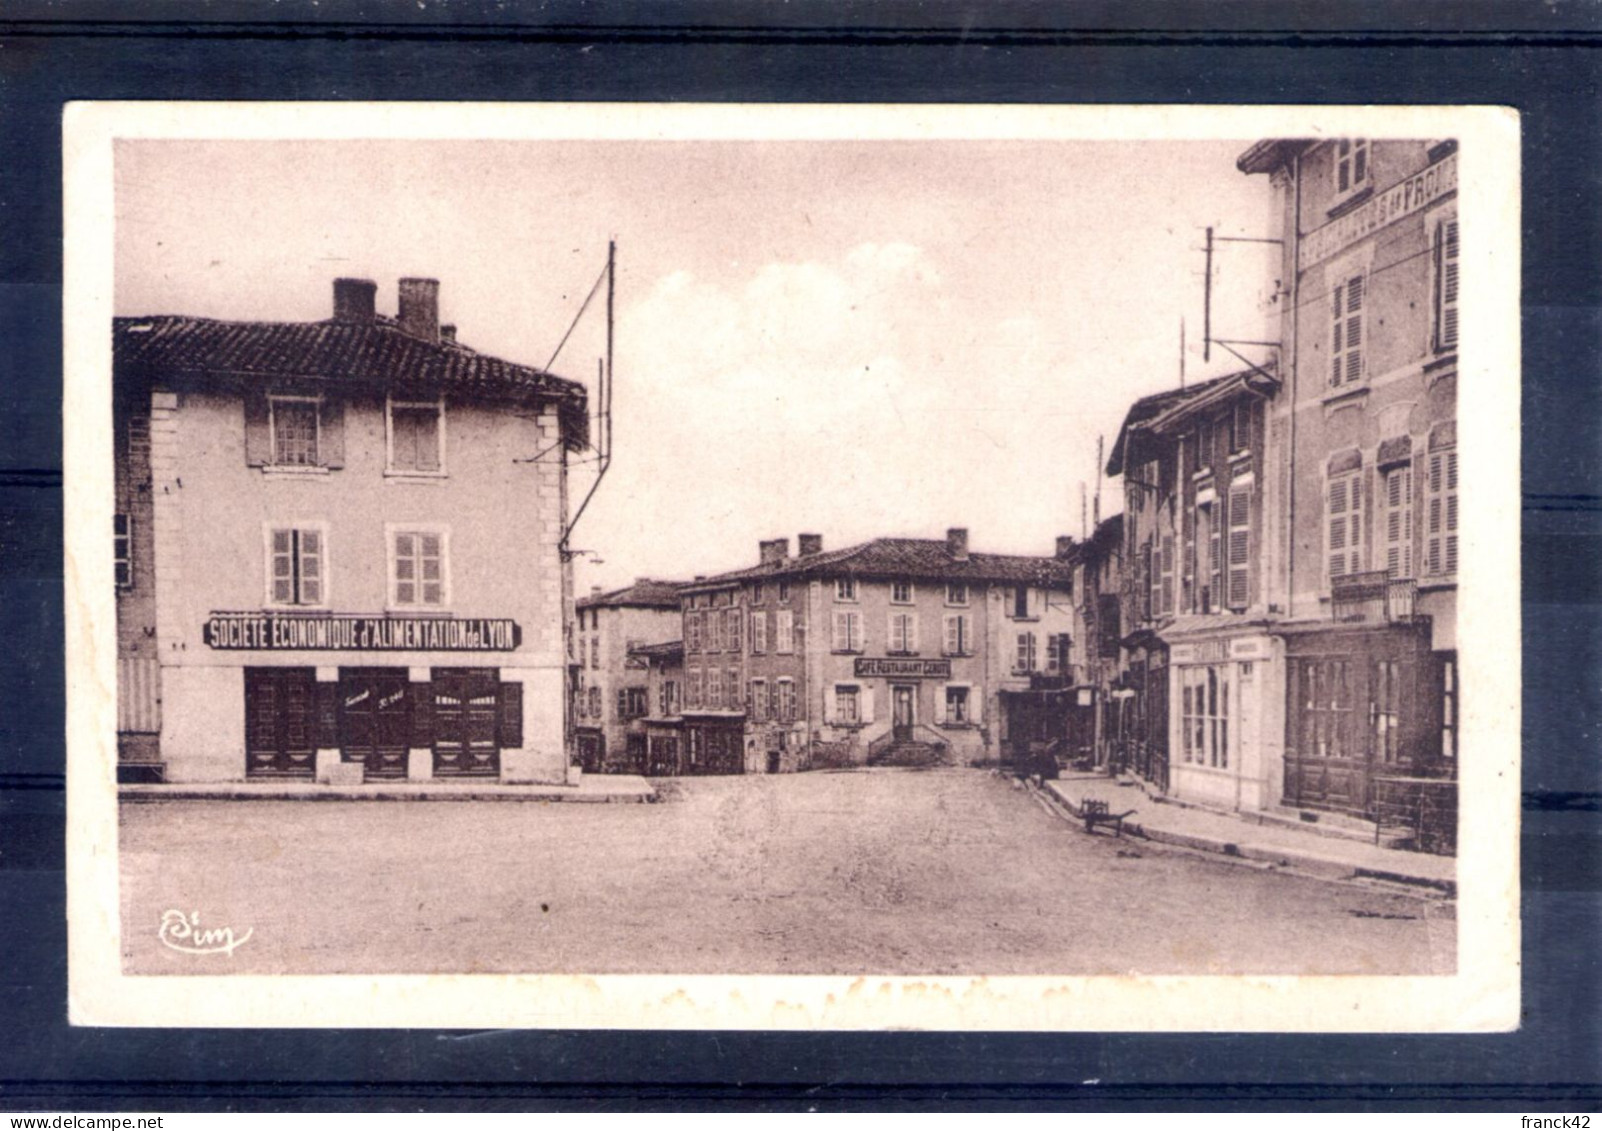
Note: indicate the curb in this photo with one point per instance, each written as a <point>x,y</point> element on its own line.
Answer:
<point>154,793</point>
<point>1310,863</point>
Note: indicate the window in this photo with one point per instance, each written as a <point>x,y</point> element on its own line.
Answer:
<point>595,702</point>
<point>1326,720</point>
<point>845,589</point>
<point>1240,427</point>
<point>417,569</point>
<point>294,431</point>
<point>1240,544</point>
<point>958,635</point>
<point>1165,582</point>
<point>956,593</point>
<point>1346,331</point>
<point>1020,601</point>
<point>692,632</point>
<point>1024,659</point>
<point>733,629</point>
<point>901,592</point>
<point>903,633</point>
<point>1344,524</point>
<point>417,437</point>
<point>734,685</point>
<point>667,695</point>
<point>122,550</point>
<point>847,704</point>
<point>581,651</point>
<point>956,705</point>
<point>1397,515</point>
<point>1449,707</point>
<point>847,631</point>
<point>296,566</point>
<point>759,632</point>
<point>714,688</point>
<point>1056,653</point>
<point>1204,719</point>
<point>1351,166</point>
<point>595,652</point>
<point>756,593</point>
<point>631,703</point>
<point>1440,527</point>
<point>714,631</point>
<point>784,592</point>
<point>692,688</point>
<point>759,700</point>
<point>1446,285</point>
<point>785,708</point>
<point>784,631</point>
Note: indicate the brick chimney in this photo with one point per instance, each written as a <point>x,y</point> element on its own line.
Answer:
<point>353,300</point>
<point>419,308</point>
<point>808,544</point>
<point>1065,547</point>
<point>957,543</point>
<point>774,551</point>
<point>447,332</point>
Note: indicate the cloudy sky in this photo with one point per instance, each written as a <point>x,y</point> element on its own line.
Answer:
<point>843,337</point>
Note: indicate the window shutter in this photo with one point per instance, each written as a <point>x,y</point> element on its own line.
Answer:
<point>327,715</point>
<point>866,700</point>
<point>1240,538</point>
<point>842,633</point>
<point>1446,285</point>
<point>912,633</point>
<point>1451,511</point>
<point>331,433</point>
<point>951,634</point>
<point>258,431</point>
<point>511,712</point>
<point>423,713</point>
<point>1337,516</point>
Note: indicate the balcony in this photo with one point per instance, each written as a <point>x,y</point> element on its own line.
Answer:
<point>1373,597</point>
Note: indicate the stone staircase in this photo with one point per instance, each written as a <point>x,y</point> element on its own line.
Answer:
<point>908,752</point>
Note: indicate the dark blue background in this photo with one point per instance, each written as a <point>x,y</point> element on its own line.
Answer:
<point>1542,59</point>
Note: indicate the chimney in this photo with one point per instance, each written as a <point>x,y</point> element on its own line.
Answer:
<point>447,332</point>
<point>1065,547</point>
<point>353,300</point>
<point>773,552</point>
<point>595,591</point>
<point>419,308</point>
<point>808,544</point>
<point>957,543</point>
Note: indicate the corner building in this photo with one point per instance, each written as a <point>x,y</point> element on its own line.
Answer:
<point>339,549</point>
<point>611,691</point>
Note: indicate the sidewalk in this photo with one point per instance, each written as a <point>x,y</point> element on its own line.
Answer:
<point>591,788</point>
<point>1333,857</point>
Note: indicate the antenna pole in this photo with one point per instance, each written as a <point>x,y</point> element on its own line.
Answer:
<point>1181,351</point>
<point>1207,301</point>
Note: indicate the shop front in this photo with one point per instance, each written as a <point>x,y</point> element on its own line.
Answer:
<point>714,743</point>
<point>1219,688</point>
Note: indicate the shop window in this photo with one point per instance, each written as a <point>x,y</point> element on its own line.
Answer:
<point>903,633</point>
<point>122,550</point>
<point>956,593</point>
<point>418,568</point>
<point>847,704</point>
<point>1344,524</point>
<point>1397,508</point>
<point>297,561</point>
<point>294,425</point>
<point>1325,722</point>
<point>1346,330</point>
<point>1204,716</point>
<point>845,589</point>
<point>847,631</point>
<point>1023,660</point>
<point>1440,529</point>
<point>901,592</point>
<point>417,437</point>
<point>784,631</point>
<point>1446,285</point>
<point>759,632</point>
<point>956,705</point>
<point>958,635</point>
<point>1351,167</point>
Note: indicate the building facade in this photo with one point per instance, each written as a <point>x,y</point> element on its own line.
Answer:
<point>1364,569</point>
<point>338,549</point>
<point>611,696</point>
<point>895,650</point>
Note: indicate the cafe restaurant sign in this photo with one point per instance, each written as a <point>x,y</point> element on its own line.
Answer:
<point>342,632</point>
<point>903,669</point>
<point>1401,199</point>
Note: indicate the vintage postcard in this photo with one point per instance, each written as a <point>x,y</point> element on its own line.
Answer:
<point>810,567</point>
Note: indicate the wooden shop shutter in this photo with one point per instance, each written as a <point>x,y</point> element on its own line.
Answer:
<point>511,711</point>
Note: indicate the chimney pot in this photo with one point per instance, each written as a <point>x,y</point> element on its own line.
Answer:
<point>447,332</point>
<point>353,300</point>
<point>1065,547</point>
<point>957,543</point>
<point>808,544</point>
<point>419,308</point>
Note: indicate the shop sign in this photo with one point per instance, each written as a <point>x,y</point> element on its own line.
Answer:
<point>1383,208</point>
<point>890,668</point>
<point>339,632</point>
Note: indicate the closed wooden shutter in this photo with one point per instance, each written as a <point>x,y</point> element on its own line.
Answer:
<point>331,433</point>
<point>1240,543</point>
<point>1345,519</point>
<point>1346,330</point>
<point>258,431</point>
<point>510,701</point>
<point>1440,555</point>
<point>1446,285</point>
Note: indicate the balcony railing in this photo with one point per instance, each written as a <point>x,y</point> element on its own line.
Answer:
<point>1373,597</point>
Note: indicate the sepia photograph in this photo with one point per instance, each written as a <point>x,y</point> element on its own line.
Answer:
<point>793,567</point>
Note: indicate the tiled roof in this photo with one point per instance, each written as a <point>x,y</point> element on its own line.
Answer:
<point>669,650</point>
<point>644,593</point>
<point>1149,406</point>
<point>910,558</point>
<point>373,353</point>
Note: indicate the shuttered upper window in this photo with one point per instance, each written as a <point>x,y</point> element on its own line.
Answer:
<point>1397,515</point>
<point>1344,523</point>
<point>294,431</point>
<point>1240,544</point>
<point>1440,530</point>
<point>1446,285</point>
<point>297,565</point>
<point>1346,330</point>
<point>1351,166</point>
<point>847,631</point>
<point>417,438</point>
<point>419,573</point>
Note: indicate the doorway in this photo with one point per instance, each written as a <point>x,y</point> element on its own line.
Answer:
<point>904,711</point>
<point>465,705</point>
<point>375,720</point>
<point>280,723</point>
